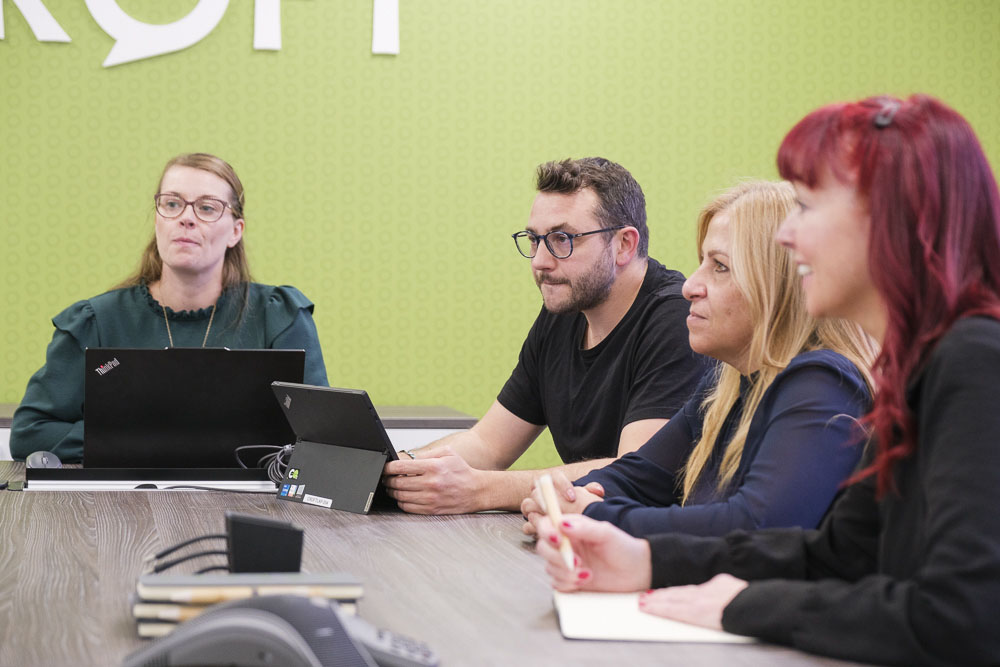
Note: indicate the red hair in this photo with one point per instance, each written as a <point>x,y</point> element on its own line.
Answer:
<point>934,239</point>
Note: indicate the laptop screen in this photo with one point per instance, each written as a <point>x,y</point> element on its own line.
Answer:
<point>333,416</point>
<point>183,407</point>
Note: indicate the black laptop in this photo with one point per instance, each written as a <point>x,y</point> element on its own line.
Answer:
<point>340,447</point>
<point>182,407</point>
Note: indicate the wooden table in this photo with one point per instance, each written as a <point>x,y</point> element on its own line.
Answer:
<point>470,586</point>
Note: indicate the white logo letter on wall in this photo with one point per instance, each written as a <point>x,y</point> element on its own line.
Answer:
<point>267,25</point>
<point>41,22</point>
<point>135,40</point>
<point>385,27</point>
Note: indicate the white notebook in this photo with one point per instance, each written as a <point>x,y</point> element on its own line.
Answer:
<point>616,616</point>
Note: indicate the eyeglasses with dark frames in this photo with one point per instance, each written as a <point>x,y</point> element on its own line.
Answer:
<point>207,209</point>
<point>560,244</point>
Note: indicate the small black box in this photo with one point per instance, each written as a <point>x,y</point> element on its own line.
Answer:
<point>259,544</point>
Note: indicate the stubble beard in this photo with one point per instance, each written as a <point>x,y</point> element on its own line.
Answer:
<point>588,291</point>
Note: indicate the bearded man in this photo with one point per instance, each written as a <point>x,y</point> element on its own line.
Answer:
<point>605,365</point>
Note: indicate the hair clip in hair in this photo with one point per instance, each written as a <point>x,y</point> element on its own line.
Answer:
<point>885,115</point>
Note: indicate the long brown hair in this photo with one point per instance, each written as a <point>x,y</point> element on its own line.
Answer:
<point>235,268</point>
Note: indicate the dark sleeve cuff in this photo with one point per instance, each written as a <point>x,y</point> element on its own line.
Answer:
<point>769,610</point>
<point>684,559</point>
<point>505,399</point>
<point>762,554</point>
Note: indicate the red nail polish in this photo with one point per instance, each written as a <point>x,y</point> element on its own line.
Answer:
<point>583,574</point>
<point>576,561</point>
<point>553,539</point>
<point>566,524</point>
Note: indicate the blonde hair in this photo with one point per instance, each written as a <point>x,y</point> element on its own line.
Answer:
<point>235,266</point>
<point>767,278</point>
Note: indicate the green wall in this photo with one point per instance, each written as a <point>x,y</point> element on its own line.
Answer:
<point>386,187</point>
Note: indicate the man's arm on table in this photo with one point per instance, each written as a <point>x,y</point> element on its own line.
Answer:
<point>467,471</point>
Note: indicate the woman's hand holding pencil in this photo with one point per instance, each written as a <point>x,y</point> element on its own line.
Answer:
<point>570,499</point>
<point>605,558</point>
<point>552,510</point>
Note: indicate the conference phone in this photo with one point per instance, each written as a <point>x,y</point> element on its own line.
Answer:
<point>287,630</point>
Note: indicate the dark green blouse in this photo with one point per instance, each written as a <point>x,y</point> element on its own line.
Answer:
<point>50,416</point>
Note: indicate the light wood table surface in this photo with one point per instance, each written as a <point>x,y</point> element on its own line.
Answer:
<point>470,586</point>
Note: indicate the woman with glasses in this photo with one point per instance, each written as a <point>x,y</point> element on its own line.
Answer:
<point>897,229</point>
<point>761,441</point>
<point>192,289</point>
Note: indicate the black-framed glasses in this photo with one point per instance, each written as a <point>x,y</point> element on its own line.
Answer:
<point>560,244</point>
<point>207,209</point>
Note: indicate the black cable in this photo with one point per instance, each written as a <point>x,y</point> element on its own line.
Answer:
<point>276,461</point>
<point>278,466</point>
<point>177,561</point>
<point>213,568</point>
<point>259,464</point>
<point>181,545</point>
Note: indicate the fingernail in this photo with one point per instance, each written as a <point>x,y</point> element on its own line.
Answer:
<point>583,574</point>
<point>571,495</point>
<point>553,539</point>
<point>649,591</point>
<point>576,561</point>
<point>567,524</point>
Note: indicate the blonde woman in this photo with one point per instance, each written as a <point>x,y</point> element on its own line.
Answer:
<point>761,442</point>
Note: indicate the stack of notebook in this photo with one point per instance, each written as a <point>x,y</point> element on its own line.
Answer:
<point>164,600</point>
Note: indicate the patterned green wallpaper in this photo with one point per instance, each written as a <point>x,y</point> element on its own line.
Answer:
<point>386,187</point>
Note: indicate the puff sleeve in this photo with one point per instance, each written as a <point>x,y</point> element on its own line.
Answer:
<point>50,417</point>
<point>289,325</point>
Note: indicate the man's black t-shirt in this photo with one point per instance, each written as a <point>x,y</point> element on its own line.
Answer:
<point>644,369</point>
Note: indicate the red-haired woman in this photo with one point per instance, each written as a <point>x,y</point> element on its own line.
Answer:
<point>898,229</point>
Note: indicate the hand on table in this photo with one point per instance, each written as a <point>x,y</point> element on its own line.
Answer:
<point>572,500</point>
<point>698,605</point>
<point>441,482</point>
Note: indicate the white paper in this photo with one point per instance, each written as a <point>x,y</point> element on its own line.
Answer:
<point>385,27</point>
<point>616,616</point>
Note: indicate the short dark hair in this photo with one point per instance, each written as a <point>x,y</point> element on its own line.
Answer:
<point>620,198</point>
